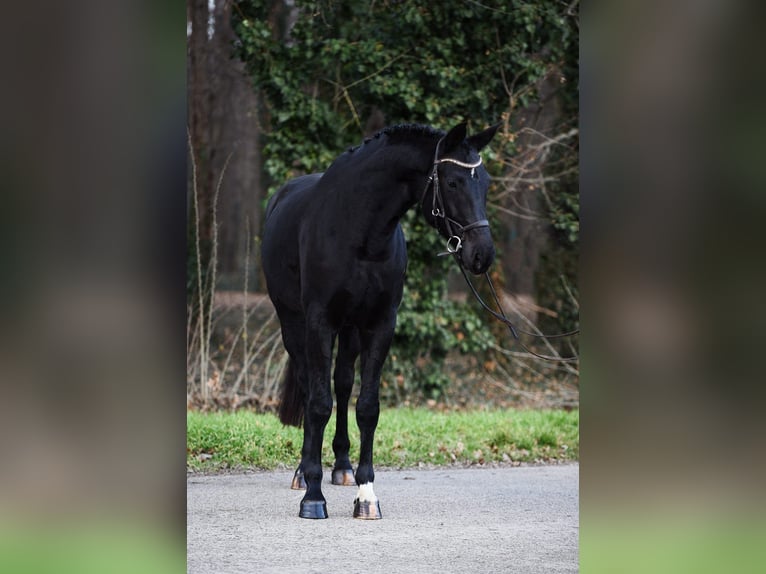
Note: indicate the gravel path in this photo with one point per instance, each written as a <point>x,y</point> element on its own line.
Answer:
<point>522,519</point>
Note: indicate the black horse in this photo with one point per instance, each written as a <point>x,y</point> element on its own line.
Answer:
<point>334,259</point>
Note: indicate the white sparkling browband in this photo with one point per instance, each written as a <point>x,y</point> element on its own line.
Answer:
<point>460,163</point>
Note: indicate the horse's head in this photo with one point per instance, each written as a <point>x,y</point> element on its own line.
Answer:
<point>455,201</point>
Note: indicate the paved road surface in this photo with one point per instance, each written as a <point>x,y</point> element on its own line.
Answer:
<point>491,520</point>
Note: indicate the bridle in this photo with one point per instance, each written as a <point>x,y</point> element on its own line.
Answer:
<point>455,244</point>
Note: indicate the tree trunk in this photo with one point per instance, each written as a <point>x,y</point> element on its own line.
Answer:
<point>527,238</point>
<point>224,129</point>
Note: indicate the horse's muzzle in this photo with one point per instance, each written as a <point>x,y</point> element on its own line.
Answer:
<point>477,252</point>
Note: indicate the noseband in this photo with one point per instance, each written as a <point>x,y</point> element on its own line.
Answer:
<point>455,242</point>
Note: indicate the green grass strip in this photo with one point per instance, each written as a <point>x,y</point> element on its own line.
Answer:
<point>669,542</point>
<point>82,548</point>
<point>406,437</point>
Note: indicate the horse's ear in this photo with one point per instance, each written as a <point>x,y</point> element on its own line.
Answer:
<point>478,141</point>
<point>454,137</point>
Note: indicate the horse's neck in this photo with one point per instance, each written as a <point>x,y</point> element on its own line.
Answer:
<point>396,186</point>
<point>388,184</point>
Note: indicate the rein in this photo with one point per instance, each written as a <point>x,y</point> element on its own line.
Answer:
<point>501,316</point>
<point>455,244</point>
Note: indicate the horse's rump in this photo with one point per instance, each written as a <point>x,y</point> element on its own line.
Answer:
<point>300,183</point>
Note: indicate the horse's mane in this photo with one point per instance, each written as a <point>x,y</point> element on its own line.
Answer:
<point>403,132</point>
<point>400,133</point>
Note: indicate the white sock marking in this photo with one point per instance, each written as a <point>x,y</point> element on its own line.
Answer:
<point>366,493</point>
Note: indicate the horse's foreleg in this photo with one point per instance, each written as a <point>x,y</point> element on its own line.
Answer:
<point>319,341</point>
<point>348,350</point>
<point>375,347</point>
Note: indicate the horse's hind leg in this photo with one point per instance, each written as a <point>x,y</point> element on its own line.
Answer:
<point>295,387</point>
<point>348,351</point>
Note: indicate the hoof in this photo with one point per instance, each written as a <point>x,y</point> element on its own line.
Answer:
<point>343,477</point>
<point>313,509</point>
<point>299,483</point>
<point>367,510</point>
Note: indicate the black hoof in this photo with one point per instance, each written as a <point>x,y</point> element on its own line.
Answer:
<point>299,483</point>
<point>313,509</point>
<point>367,510</point>
<point>343,477</point>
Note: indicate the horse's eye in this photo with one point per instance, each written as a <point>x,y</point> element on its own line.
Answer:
<point>452,184</point>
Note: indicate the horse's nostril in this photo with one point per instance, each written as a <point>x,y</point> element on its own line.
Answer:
<point>477,262</point>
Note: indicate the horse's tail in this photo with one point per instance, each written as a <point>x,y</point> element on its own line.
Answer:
<point>292,403</point>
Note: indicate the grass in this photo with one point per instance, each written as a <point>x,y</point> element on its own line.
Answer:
<point>672,541</point>
<point>406,437</point>
<point>79,547</point>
